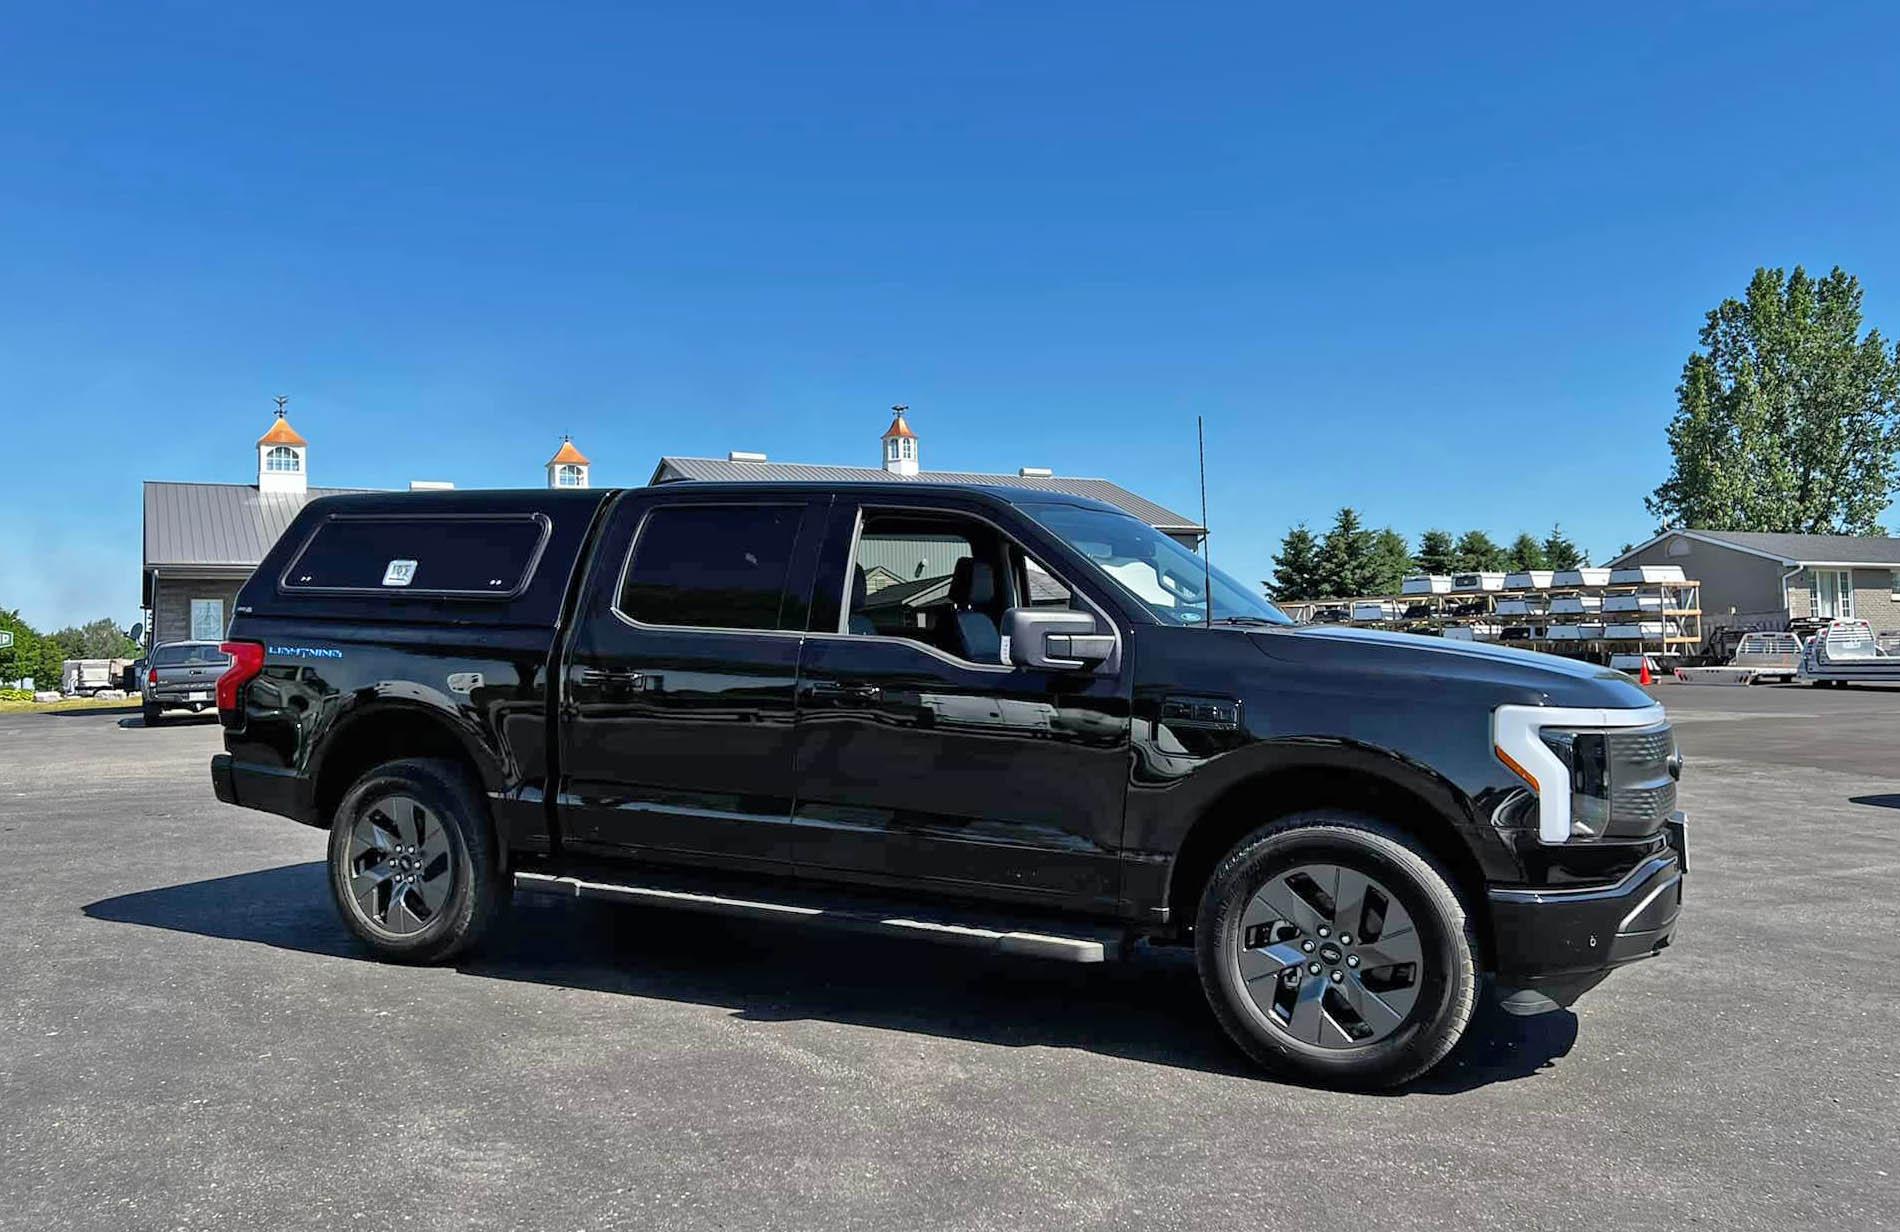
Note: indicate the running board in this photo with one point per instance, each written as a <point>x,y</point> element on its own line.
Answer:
<point>1092,945</point>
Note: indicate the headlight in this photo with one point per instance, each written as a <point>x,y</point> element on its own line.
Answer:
<point>1596,773</point>
<point>1586,755</point>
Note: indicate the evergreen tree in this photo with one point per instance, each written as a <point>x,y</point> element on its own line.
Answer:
<point>1345,558</point>
<point>1477,552</point>
<point>1436,553</point>
<point>1296,566</point>
<point>1391,561</point>
<point>1789,418</point>
<point>1525,553</point>
<point>1561,553</point>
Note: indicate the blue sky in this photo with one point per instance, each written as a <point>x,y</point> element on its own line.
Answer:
<point>1441,263</point>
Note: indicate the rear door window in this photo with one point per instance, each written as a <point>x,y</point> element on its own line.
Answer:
<point>711,566</point>
<point>488,556</point>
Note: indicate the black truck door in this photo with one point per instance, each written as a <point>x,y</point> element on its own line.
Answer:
<point>681,677</point>
<point>924,757</point>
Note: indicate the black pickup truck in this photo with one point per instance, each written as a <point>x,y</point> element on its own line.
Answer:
<point>983,715</point>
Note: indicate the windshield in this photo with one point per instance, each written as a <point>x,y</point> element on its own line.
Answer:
<point>1168,578</point>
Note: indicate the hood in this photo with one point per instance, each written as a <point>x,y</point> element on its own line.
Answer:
<point>1541,679</point>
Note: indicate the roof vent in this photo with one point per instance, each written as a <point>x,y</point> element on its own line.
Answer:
<point>1034,472</point>
<point>431,485</point>
<point>740,455</point>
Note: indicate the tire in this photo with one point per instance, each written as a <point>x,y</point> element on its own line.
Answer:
<point>150,714</point>
<point>400,832</point>
<point>1266,893</point>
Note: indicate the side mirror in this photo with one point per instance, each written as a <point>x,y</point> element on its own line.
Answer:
<point>1055,639</point>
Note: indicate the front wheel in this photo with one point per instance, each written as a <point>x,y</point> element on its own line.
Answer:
<point>1333,950</point>
<point>413,865</point>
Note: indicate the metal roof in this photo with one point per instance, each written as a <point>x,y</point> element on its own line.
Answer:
<point>1874,550</point>
<point>719,470</point>
<point>218,525</point>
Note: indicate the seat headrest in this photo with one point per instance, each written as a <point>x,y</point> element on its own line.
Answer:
<point>973,584</point>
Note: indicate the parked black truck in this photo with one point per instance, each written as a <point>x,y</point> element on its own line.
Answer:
<point>987,715</point>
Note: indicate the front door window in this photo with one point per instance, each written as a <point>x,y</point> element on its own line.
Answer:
<point>1833,594</point>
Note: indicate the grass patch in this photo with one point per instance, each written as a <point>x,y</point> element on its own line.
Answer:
<point>71,703</point>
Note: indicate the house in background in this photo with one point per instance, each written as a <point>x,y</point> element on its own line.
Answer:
<point>202,540</point>
<point>1758,580</point>
<point>901,455</point>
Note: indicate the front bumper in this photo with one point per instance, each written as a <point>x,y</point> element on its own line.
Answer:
<point>272,791</point>
<point>1561,942</point>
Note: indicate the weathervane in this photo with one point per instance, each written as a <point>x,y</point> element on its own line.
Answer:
<point>280,399</point>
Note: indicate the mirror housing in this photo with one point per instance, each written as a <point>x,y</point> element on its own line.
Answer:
<point>1055,639</point>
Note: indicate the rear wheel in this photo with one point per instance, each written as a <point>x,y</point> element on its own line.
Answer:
<point>150,713</point>
<point>1333,950</point>
<point>413,866</point>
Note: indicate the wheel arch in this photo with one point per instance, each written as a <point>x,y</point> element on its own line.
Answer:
<point>387,731</point>
<point>1410,801</point>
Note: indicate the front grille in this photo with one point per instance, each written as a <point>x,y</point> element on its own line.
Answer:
<point>1642,780</point>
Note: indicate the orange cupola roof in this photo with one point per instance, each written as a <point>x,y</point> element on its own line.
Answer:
<point>898,426</point>
<point>568,455</point>
<point>281,433</point>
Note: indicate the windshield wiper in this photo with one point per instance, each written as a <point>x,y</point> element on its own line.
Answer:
<point>1245,620</point>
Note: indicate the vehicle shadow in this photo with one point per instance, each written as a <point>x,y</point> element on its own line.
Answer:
<point>175,719</point>
<point>1149,1008</point>
<point>1883,801</point>
<point>90,712</point>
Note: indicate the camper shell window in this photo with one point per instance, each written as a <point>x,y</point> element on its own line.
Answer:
<point>489,556</point>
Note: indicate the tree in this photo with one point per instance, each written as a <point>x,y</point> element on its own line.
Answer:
<point>1436,553</point>
<point>1788,419</point>
<point>1525,553</point>
<point>1296,566</point>
<point>98,639</point>
<point>1477,552</point>
<point>1391,561</point>
<point>21,659</point>
<point>1345,558</point>
<point>1561,553</point>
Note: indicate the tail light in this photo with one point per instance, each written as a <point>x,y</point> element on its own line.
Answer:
<point>151,676</point>
<point>247,660</point>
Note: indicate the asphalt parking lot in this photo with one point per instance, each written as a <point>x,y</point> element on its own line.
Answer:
<point>190,1039</point>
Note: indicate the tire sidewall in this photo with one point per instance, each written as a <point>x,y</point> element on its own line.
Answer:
<point>1448,986</point>
<point>451,801</point>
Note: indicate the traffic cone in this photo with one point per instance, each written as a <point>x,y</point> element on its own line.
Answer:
<point>1642,676</point>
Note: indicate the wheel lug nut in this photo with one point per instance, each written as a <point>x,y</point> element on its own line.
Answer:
<point>1312,968</point>
<point>1345,938</point>
<point>1325,931</point>
<point>1338,976</point>
<point>1307,946</point>
<point>1352,960</point>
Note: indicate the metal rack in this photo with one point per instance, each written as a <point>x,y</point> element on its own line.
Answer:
<point>1670,627</point>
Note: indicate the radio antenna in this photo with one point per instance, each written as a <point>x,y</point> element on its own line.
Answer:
<point>1207,564</point>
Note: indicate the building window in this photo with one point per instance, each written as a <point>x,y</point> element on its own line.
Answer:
<point>282,458</point>
<point>567,476</point>
<point>890,449</point>
<point>1895,596</point>
<point>1834,594</point>
<point>909,448</point>
<point>207,620</point>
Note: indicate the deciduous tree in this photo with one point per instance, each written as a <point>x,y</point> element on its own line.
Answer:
<point>1788,419</point>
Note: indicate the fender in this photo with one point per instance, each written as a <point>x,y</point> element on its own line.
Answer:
<point>406,699</point>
